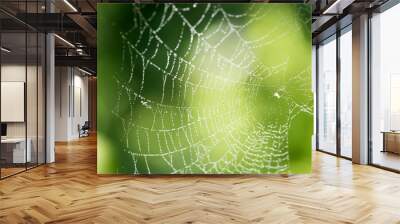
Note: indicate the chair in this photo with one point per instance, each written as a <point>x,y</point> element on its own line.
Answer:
<point>84,130</point>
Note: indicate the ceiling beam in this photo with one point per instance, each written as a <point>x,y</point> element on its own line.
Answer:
<point>82,61</point>
<point>84,24</point>
<point>49,22</point>
<point>337,7</point>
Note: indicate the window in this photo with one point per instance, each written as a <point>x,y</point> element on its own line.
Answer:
<point>327,95</point>
<point>385,89</point>
<point>346,93</point>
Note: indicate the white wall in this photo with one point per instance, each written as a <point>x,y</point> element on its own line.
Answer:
<point>17,73</point>
<point>10,73</point>
<point>71,94</point>
<point>62,82</point>
<point>80,89</point>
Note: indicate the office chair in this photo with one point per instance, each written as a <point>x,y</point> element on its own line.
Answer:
<point>84,130</point>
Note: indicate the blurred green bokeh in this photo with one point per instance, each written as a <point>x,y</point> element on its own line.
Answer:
<point>204,88</point>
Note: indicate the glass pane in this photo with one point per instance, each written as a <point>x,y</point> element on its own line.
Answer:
<point>14,153</point>
<point>327,96</point>
<point>23,90</point>
<point>32,95</point>
<point>346,94</point>
<point>41,99</point>
<point>386,89</point>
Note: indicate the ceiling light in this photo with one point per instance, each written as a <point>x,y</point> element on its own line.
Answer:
<point>5,50</point>
<point>84,71</point>
<point>65,41</point>
<point>70,5</point>
<point>80,51</point>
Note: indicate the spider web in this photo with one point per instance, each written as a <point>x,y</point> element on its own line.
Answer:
<point>199,117</point>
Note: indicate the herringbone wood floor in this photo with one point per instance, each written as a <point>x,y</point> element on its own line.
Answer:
<point>69,191</point>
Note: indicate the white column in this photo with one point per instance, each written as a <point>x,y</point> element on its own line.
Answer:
<point>360,90</point>
<point>50,94</point>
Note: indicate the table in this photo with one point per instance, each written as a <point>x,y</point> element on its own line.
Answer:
<point>13,150</point>
<point>391,141</point>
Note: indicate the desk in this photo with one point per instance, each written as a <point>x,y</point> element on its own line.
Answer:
<point>391,141</point>
<point>15,148</point>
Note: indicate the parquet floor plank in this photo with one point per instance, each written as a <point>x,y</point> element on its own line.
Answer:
<point>70,191</point>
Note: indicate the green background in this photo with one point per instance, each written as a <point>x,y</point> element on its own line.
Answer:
<point>204,88</point>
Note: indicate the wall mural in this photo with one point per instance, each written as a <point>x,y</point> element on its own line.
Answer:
<point>204,88</point>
